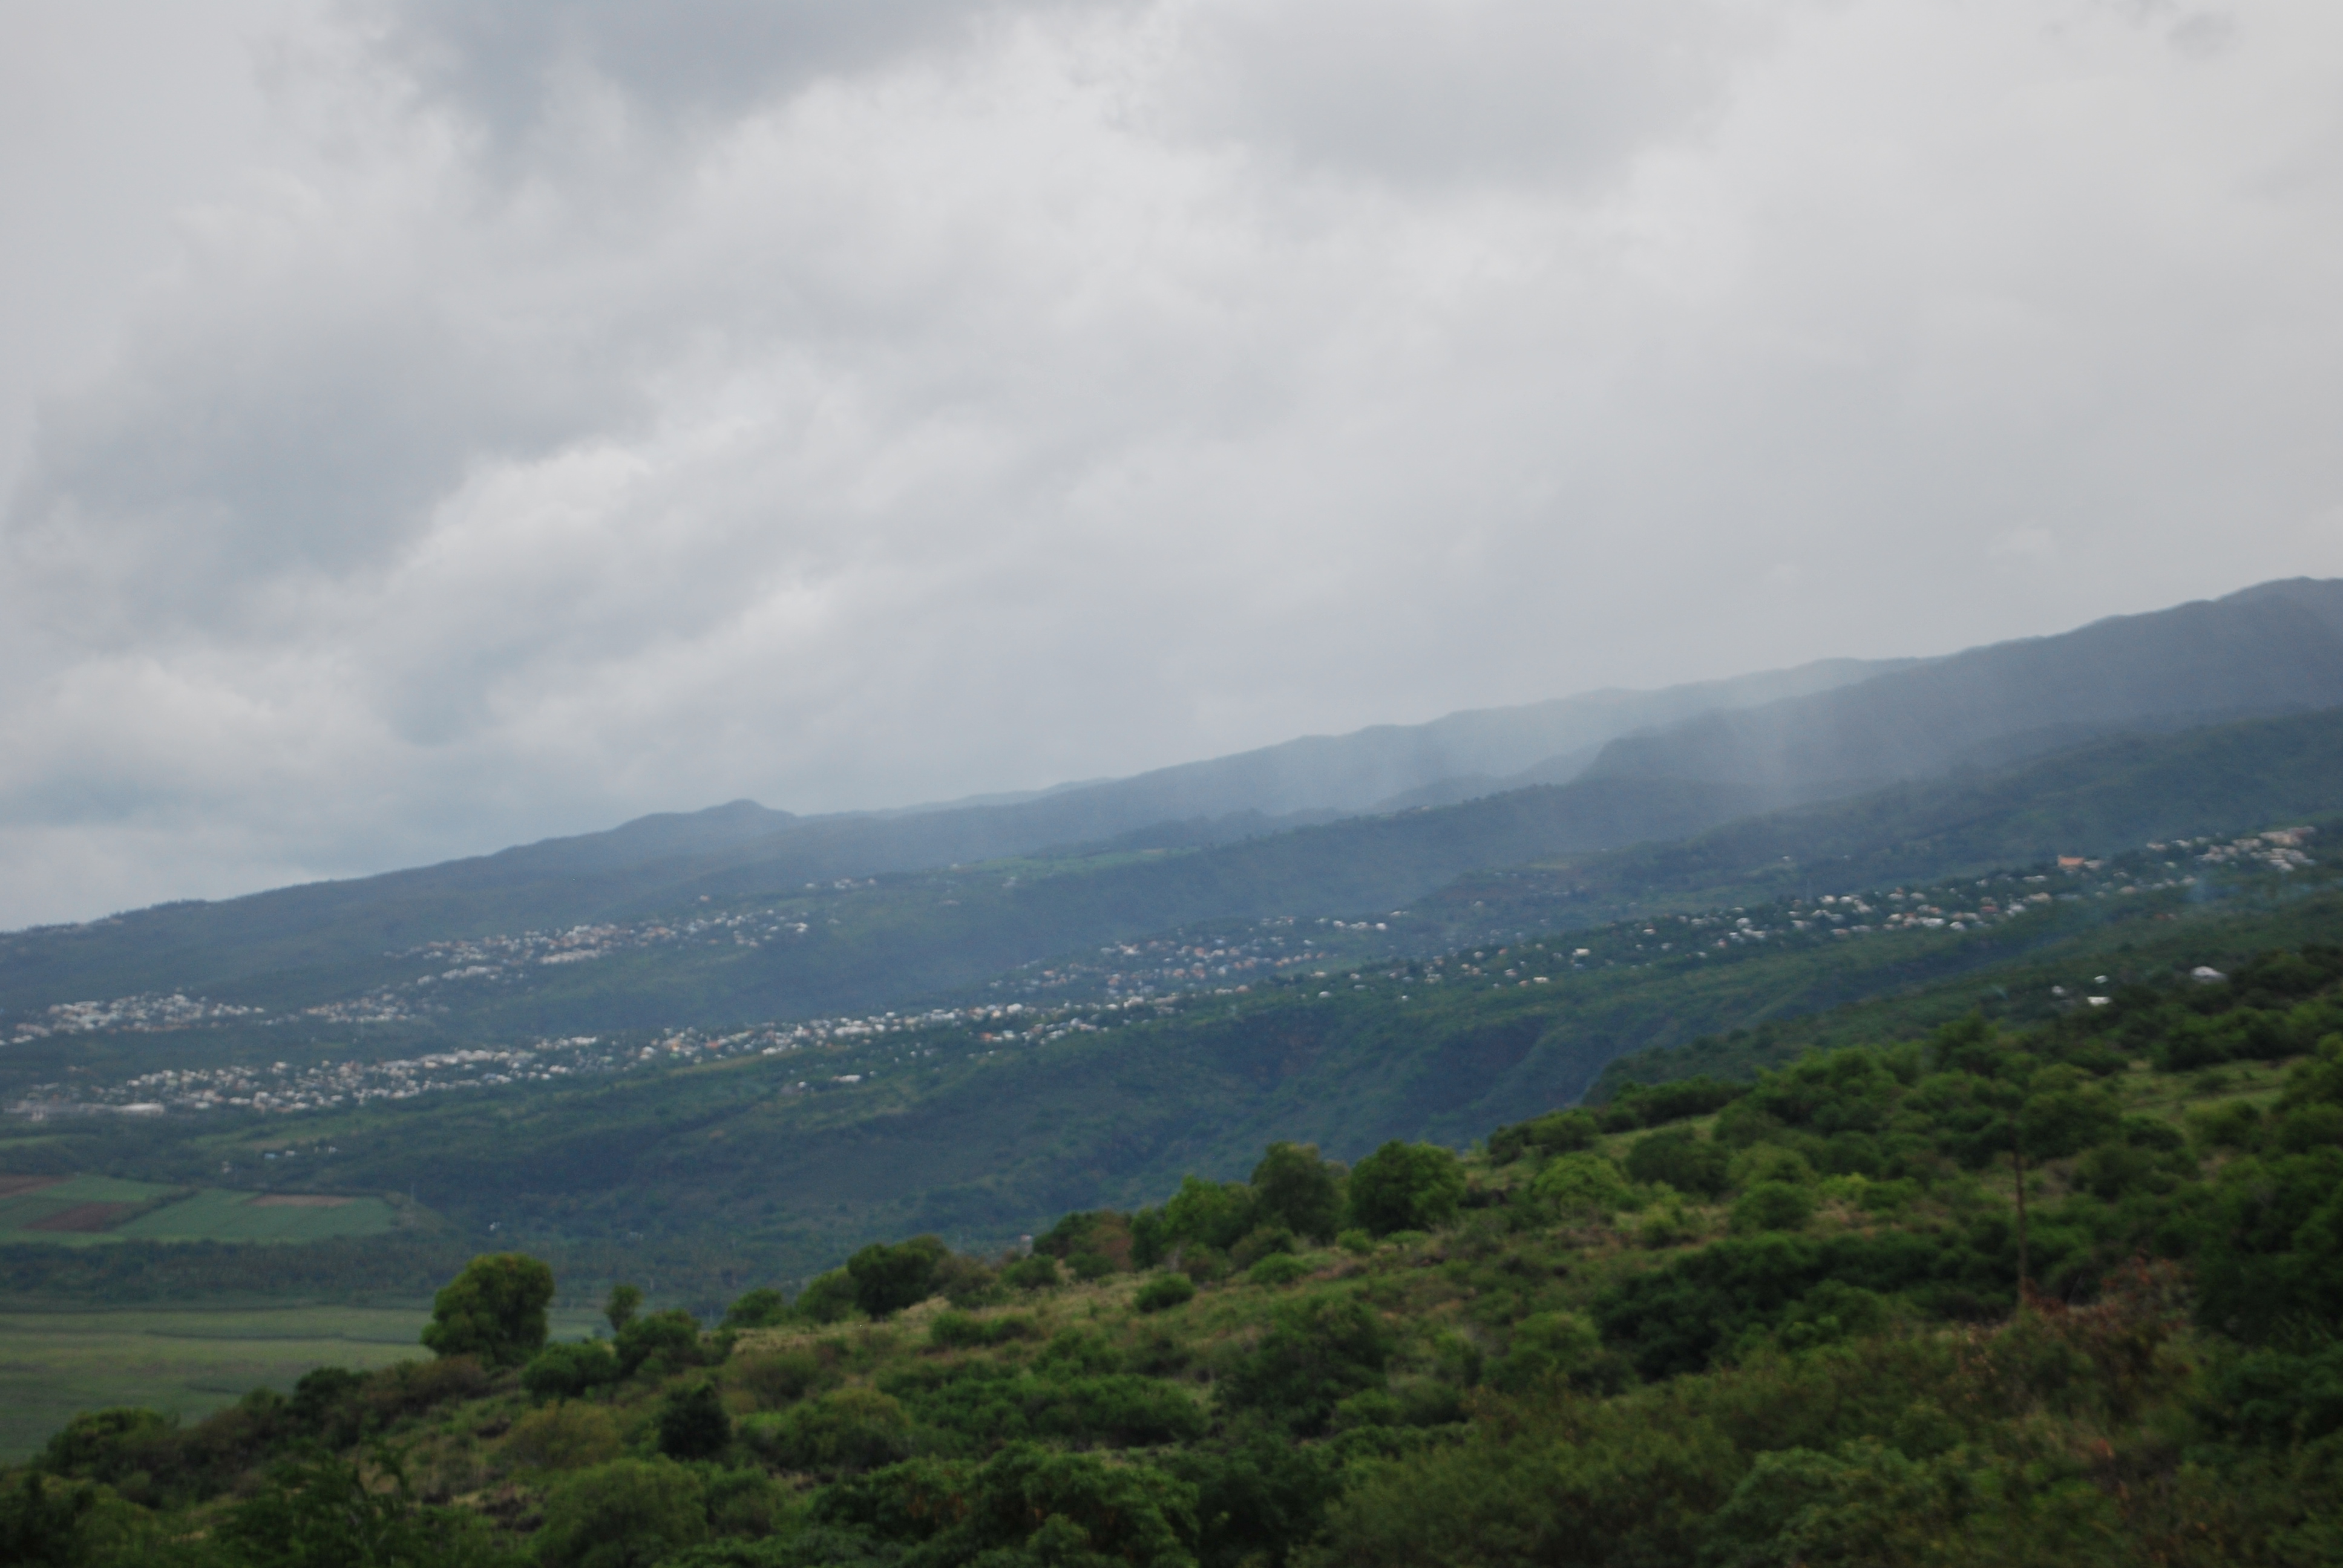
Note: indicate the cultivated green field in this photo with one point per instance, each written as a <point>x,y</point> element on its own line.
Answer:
<point>88,1211</point>
<point>191,1361</point>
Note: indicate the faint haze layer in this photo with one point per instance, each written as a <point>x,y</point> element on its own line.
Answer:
<point>427,427</point>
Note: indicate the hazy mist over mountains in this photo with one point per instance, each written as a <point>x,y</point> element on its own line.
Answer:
<point>428,429</point>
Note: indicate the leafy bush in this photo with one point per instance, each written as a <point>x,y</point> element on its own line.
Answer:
<point>1262,1241</point>
<point>1582,1184</point>
<point>1277,1269</point>
<point>1038,1273</point>
<point>494,1310</point>
<point>1163,1292</point>
<point>1555,1132</point>
<point>567,1436</point>
<point>1317,1352</point>
<point>661,1344</point>
<point>1294,1187</point>
<point>1091,1265</point>
<point>1682,1158</point>
<point>567,1371</point>
<point>958,1331</point>
<point>1406,1187</point>
<point>889,1279</point>
<point>1773,1206</point>
<point>692,1423</point>
<point>827,1298</point>
<point>627,1514</point>
<point>783,1377</point>
<point>762,1308</point>
<point>1026,1504</point>
<point>851,1430</point>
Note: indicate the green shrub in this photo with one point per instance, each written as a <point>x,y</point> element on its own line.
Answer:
<point>851,1430</point>
<point>1682,1158</point>
<point>567,1371</point>
<point>1091,1265</point>
<point>958,1331</point>
<point>827,1298</point>
<point>1038,1273</point>
<point>1582,1184</point>
<point>889,1279</point>
<point>1555,1132</point>
<point>567,1436</point>
<point>1027,1504</point>
<point>762,1308</point>
<point>627,1514</point>
<point>1406,1187</point>
<point>1165,1291</point>
<point>1318,1351</point>
<point>1294,1188</point>
<point>1260,1242</point>
<point>783,1377</point>
<point>692,1423</point>
<point>494,1310</point>
<point>1773,1206</point>
<point>661,1344</point>
<point>1277,1269</point>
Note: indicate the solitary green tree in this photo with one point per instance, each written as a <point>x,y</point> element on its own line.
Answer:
<point>494,1310</point>
<point>1293,1184</point>
<point>623,1302</point>
<point>1406,1187</point>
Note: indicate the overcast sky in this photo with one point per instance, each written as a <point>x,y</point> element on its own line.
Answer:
<point>426,425</point>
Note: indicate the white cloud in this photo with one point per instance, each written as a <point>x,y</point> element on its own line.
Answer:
<point>546,416</point>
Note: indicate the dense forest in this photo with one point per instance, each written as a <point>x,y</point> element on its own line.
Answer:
<point>2063,1294</point>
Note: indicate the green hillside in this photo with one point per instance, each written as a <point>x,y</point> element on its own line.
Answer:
<point>779,1163</point>
<point>2049,1294</point>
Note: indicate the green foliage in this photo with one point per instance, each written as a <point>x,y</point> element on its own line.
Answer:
<point>661,1343</point>
<point>1317,1352</point>
<point>627,1514</point>
<point>692,1423</point>
<point>1555,1132</point>
<point>1682,1158</point>
<point>1026,1504</point>
<point>1294,1187</point>
<point>1406,1187</point>
<point>327,1513</point>
<point>958,1331</point>
<point>494,1310</point>
<point>43,1525</point>
<point>827,1298</point>
<point>851,1430</point>
<point>622,1305</point>
<point>567,1371</point>
<point>1163,1293</point>
<point>889,1279</point>
<point>1038,1273</point>
<point>784,1377</point>
<point>567,1436</point>
<point>761,1308</point>
<point>1773,1206</point>
<point>1582,1186</point>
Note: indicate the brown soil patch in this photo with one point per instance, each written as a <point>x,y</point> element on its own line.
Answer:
<point>82,1217</point>
<point>17,1186</point>
<point>297,1200</point>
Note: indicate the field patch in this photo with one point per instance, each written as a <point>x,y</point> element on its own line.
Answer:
<point>82,1217</point>
<point>190,1363</point>
<point>97,1211</point>
<point>17,1186</point>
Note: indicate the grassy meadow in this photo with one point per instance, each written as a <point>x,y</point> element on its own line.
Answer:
<point>189,1361</point>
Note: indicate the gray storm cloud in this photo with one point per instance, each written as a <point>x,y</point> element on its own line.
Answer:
<point>447,424</point>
